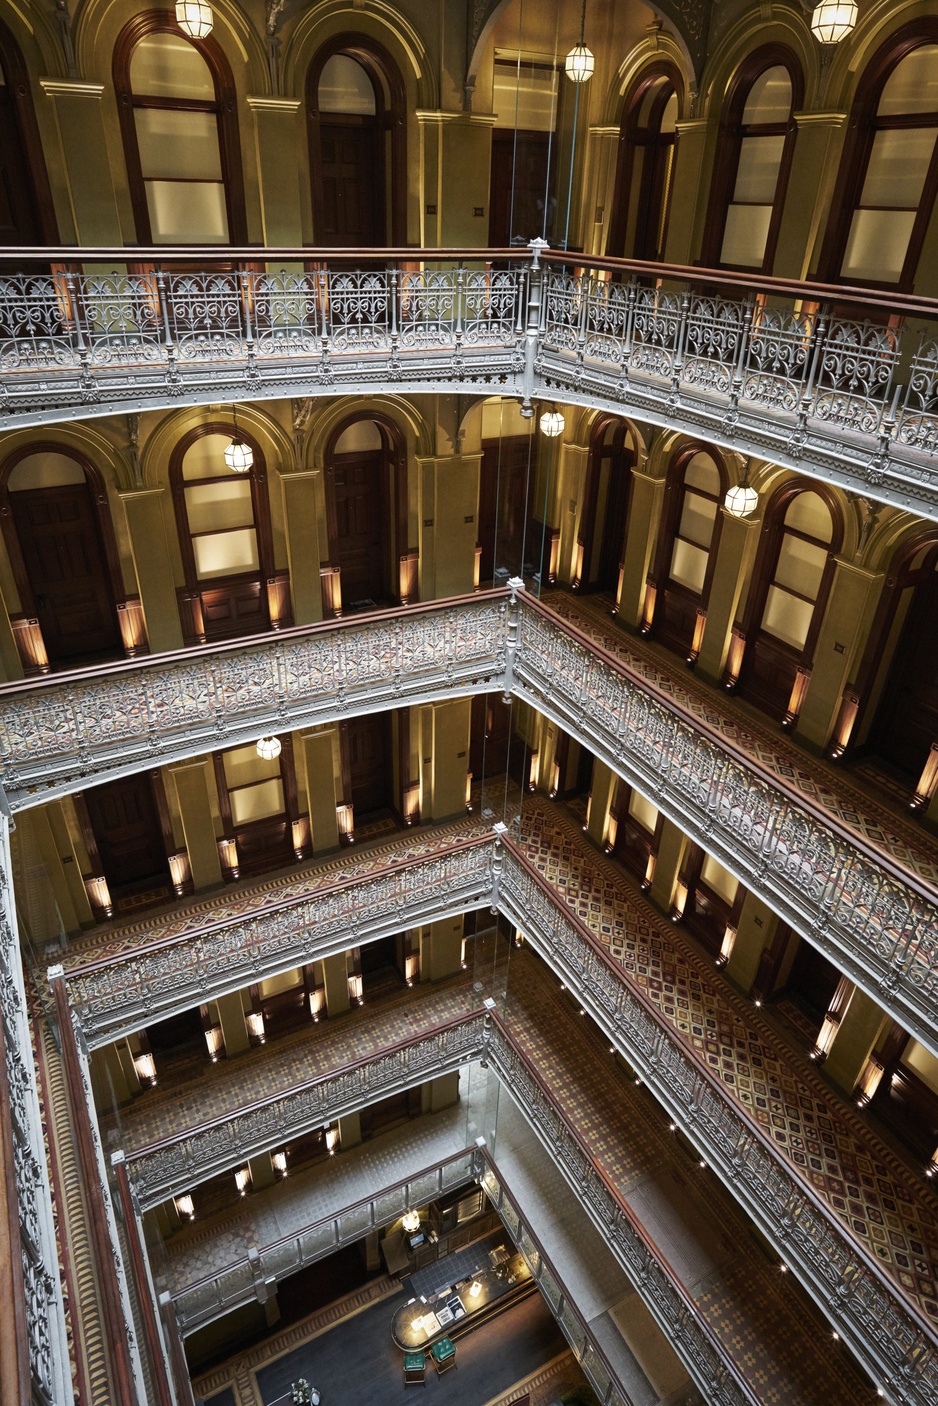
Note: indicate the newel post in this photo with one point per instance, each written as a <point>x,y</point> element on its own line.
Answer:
<point>532,330</point>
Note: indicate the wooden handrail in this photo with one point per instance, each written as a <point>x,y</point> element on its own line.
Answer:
<point>151,1328</point>
<point>15,1385</point>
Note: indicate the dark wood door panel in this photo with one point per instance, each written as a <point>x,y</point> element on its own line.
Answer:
<point>352,184</point>
<point>369,753</point>
<point>907,719</point>
<point>19,218</point>
<point>126,825</point>
<point>359,545</point>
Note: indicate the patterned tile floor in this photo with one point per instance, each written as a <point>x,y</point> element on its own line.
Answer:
<point>872,815</point>
<point>877,1199</point>
<point>757,1313</point>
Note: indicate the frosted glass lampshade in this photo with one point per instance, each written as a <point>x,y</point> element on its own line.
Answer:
<point>552,423</point>
<point>411,1222</point>
<point>833,20</point>
<point>579,64</point>
<point>194,18</point>
<point>741,500</point>
<point>269,748</point>
<point>239,457</point>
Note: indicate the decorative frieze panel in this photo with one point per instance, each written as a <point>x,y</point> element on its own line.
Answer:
<point>766,366</point>
<point>178,1163</point>
<point>867,1309</point>
<point>141,980</point>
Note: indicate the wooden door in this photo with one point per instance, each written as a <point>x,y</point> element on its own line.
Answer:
<point>503,483</point>
<point>490,736</point>
<point>352,185</point>
<point>359,546</point>
<point>369,753</point>
<point>19,218</point>
<point>612,549</point>
<point>64,559</point>
<point>126,826</point>
<point>520,184</point>
<point>769,670</point>
<point>907,719</point>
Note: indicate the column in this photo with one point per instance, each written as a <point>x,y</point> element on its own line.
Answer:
<point>602,794</point>
<point>302,492</point>
<point>319,751</point>
<point>754,932</point>
<point>860,1028</point>
<point>277,134</point>
<point>456,154</point>
<point>11,665</point>
<point>233,1029</point>
<point>441,948</point>
<point>350,1130</point>
<point>440,1093</point>
<point>70,859</point>
<point>597,204</point>
<point>443,793</point>
<point>85,149</point>
<point>449,498</point>
<point>574,460</point>
<point>850,606</point>
<point>739,538</point>
<point>335,980</point>
<point>262,1173</point>
<point>154,568</point>
<point>193,781</point>
<point>114,1079</point>
<point>696,140</point>
<point>644,517</point>
<point>812,169</point>
<point>37,827</point>
<point>671,847</point>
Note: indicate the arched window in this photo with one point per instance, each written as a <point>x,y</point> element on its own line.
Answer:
<point>223,520</point>
<point>790,588</point>
<point>639,222</point>
<point>257,800</point>
<point>58,531</point>
<point>886,190</point>
<point>687,549</point>
<point>757,138</point>
<point>357,144</point>
<point>179,121</point>
<point>26,212</point>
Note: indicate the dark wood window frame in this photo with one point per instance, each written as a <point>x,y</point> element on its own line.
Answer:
<point>17,77</point>
<point>729,145</point>
<point>651,138</point>
<point>706,913</point>
<point>258,828</point>
<point>225,108</point>
<point>675,493</point>
<point>391,116</point>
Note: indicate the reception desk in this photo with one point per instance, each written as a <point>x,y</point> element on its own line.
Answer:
<point>459,1308</point>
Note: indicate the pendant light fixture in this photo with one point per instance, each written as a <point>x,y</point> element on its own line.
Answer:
<point>238,456</point>
<point>833,20</point>
<point>552,423</point>
<point>194,18</point>
<point>579,63</point>
<point>742,499</point>
<point>269,748</point>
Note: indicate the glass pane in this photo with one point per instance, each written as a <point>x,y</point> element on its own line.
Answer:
<point>205,457</point>
<point>669,116</point>
<point>757,172</point>
<point>168,66</point>
<point>652,92</point>
<point>44,470</point>
<point>808,512</point>
<point>243,765</point>
<point>913,84</point>
<point>718,878</point>
<point>186,211</point>
<point>360,435</point>
<point>697,519</point>
<point>769,97</point>
<point>702,472</point>
<point>526,100</point>
<point>898,167</point>
<point>178,145</point>
<point>689,565</point>
<point>225,553</point>
<point>256,802</point>
<point>877,244</point>
<point>643,811</point>
<point>344,86</point>
<point>786,617</point>
<point>213,505</point>
<point>747,229</point>
<point>800,566</point>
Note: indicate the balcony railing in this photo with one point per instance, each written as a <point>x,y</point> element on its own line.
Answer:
<point>872,918</point>
<point>809,376</point>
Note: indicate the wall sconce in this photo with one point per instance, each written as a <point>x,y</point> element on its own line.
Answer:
<point>317,1002</point>
<point>411,968</point>
<point>100,896</point>
<point>179,871</point>
<point>927,782</point>
<point>278,1160</point>
<point>185,1206</point>
<point>332,1139</point>
<point>932,1167</point>
<point>612,832</point>
<point>532,771</point>
<point>554,791</point>
<point>869,1081</point>
<point>300,830</point>
<point>648,608</point>
<point>679,902</point>
<point>462,954</point>
<point>228,850</point>
<point>469,792</point>
<point>145,1066</point>
<point>411,806</point>
<point>356,990</point>
<point>254,1021</point>
<point>649,872</point>
<point>411,1221</point>
<point>726,947</point>
<point>243,1180</point>
<point>822,1045</point>
<point>345,820</point>
<point>215,1042</point>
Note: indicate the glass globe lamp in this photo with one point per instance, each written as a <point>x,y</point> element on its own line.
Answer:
<point>579,64</point>
<point>239,456</point>
<point>741,500</point>
<point>552,423</point>
<point>833,20</point>
<point>194,18</point>
<point>269,748</point>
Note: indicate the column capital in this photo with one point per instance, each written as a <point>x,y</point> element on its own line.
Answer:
<point>264,103</point>
<point>70,88</point>
<point>819,119</point>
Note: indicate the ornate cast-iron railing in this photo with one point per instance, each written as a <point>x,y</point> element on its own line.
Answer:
<point>179,1162</point>
<point>852,901</point>
<point>810,376</point>
<point>35,1371</point>
<point>146,980</point>
<point>865,1305</point>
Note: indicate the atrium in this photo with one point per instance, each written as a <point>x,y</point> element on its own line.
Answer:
<point>469,702</point>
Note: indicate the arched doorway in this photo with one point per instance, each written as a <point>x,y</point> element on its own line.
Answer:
<point>26,211</point>
<point>58,532</point>
<point>646,158</point>
<point>356,107</point>
<point>601,540</point>
<point>366,511</point>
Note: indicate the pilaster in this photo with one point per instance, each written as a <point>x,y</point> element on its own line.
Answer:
<point>859,1029</point>
<point>644,516</point>
<point>739,538</point>
<point>843,635</point>
<point>192,781</point>
<point>277,144</point>
<point>78,115</point>
<point>153,565</point>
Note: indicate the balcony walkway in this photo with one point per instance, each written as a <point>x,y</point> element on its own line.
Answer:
<point>758,1316</point>
<point>891,1214</point>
